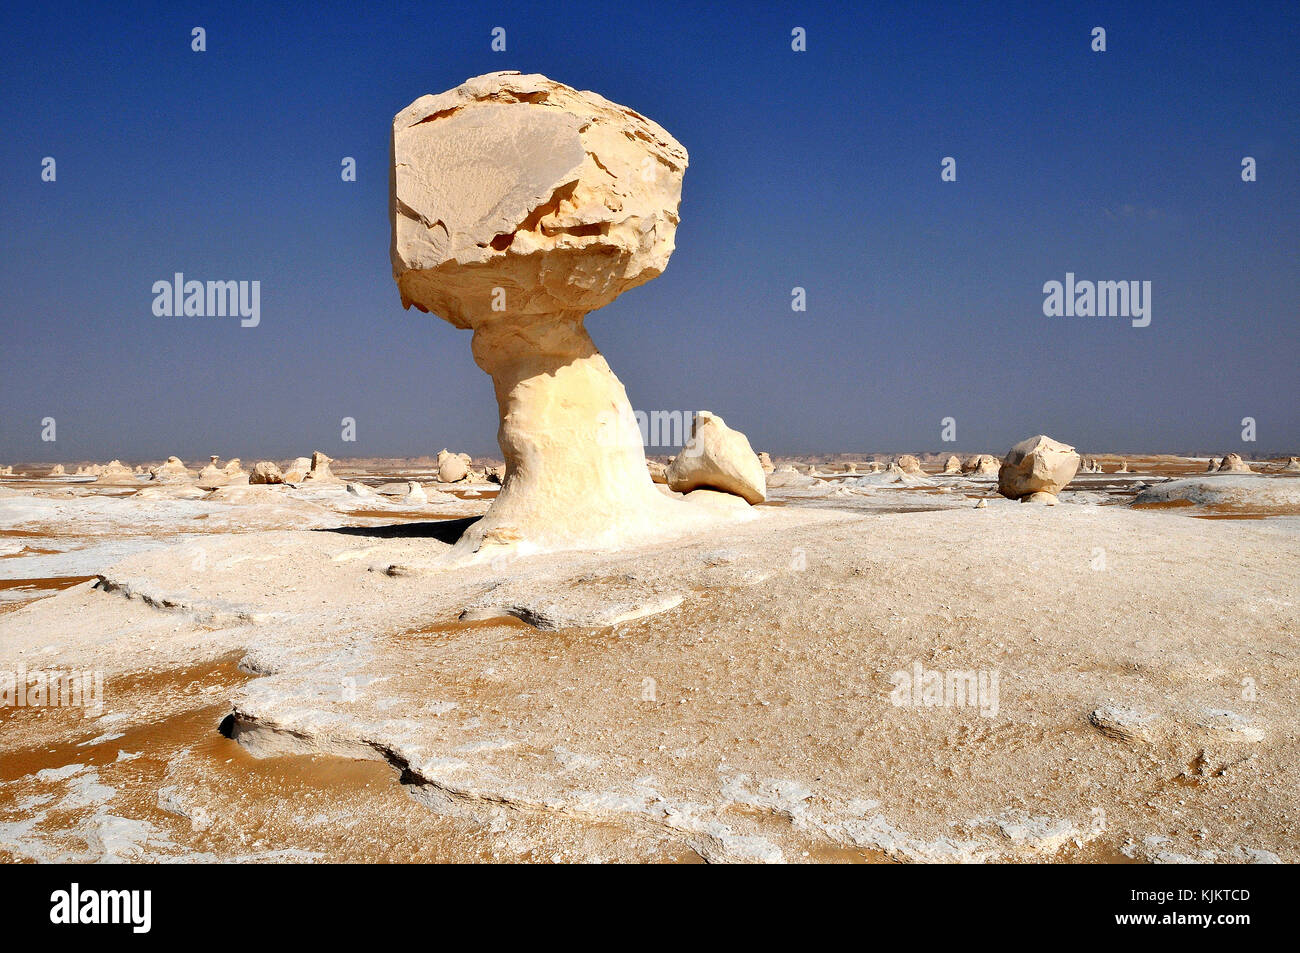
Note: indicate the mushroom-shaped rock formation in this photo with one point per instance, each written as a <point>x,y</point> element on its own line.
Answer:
<point>518,206</point>
<point>212,475</point>
<point>1037,469</point>
<point>1232,463</point>
<point>718,458</point>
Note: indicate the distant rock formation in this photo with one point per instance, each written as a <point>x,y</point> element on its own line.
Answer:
<point>1214,465</point>
<point>452,467</point>
<point>212,476</point>
<point>495,474</point>
<point>320,470</point>
<point>298,470</point>
<point>1123,467</point>
<point>658,471</point>
<point>1292,464</point>
<point>718,458</point>
<point>1232,463</point>
<point>980,463</point>
<point>909,464</point>
<point>953,465</point>
<point>116,474</point>
<point>173,471</point>
<point>1037,469</point>
<point>265,472</point>
<point>766,463</point>
<point>787,476</point>
<point>415,495</point>
<point>58,470</point>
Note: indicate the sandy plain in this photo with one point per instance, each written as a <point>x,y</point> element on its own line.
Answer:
<point>288,675</point>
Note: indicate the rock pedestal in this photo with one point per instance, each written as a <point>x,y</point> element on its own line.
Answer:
<point>519,205</point>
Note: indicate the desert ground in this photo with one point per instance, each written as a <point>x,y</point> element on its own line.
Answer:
<point>296,671</point>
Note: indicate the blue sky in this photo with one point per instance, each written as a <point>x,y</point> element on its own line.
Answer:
<point>818,169</point>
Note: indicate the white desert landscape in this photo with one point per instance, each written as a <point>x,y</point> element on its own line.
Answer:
<point>1031,652</point>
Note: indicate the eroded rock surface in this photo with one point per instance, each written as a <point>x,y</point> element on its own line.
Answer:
<point>718,458</point>
<point>1037,469</point>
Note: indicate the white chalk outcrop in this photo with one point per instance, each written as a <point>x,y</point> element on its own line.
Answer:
<point>519,205</point>
<point>266,472</point>
<point>910,464</point>
<point>320,470</point>
<point>765,462</point>
<point>1254,492</point>
<point>212,475</point>
<point>58,470</point>
<point>173,471</point>
<point>981,463</point>
<point>1037,469</point>
<point>117,473</point>
<point>452,467</point>
<point>952,465</point>
<point>298,470</point>
<point>1292,464</point>
<point>1232,463</point>
<point>718,458</point>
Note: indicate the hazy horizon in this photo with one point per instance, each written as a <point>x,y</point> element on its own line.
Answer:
<point>925,298</point>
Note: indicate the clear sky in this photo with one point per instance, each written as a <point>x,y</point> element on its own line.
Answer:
<point>818,169</point>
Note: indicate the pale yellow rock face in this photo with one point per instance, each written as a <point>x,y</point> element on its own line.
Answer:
<point>765,462</point>
<point>518,206</point>
<point>1292,464</point>
<point>981,463</point>
<point>1037,469</point>
<point>320,471</point>
<point>298,470</point>
<point>718,458</point>
<point>452,467</point>
<point>265,473</point>
<point>1232,463</point>
<point>952,465</point>
<point>909,464</point>
<point>560,198</point>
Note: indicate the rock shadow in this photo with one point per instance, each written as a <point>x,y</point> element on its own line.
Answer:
<point>448,531</point>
